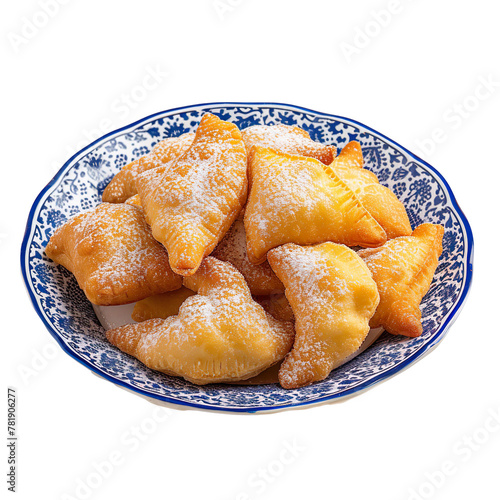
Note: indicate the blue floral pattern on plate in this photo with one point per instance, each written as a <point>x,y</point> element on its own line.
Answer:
<point>70,319</point>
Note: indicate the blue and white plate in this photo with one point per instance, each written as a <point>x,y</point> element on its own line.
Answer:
<point>71,320</point>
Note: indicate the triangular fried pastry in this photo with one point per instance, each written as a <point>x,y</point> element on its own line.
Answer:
<point>122,185</point>
<point>233,248</point>
<point>293,199</point>
<point>161,306</point>
<point>333,297</point>
<point>113,255</point>
<point>287,139</point>
<point>192,204</point>
<point>403,269</point>
<point>219,335</point>
<point>380,201</point>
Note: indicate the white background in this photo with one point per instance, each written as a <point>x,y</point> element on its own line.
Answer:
<point>63,85</point>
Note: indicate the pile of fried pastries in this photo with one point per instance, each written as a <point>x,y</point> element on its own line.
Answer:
<point>248,249</point>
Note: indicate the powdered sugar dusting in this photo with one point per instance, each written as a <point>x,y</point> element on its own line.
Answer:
<point>333,297</point>
<point>398,261</point>
<point>197,191</point>
<point>113,255</point>
<point>287,139</point>
<point>233,248</point>
<point>305,271</point>
<point>122,186</point>
<point>220,334</point>
<point>276,197</point>
<point>300,200</point>
<point>195,200</point>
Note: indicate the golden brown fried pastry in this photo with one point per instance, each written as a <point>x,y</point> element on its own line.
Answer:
<point>380,201</point>
<point>294,199</point>
<point>233,248</point>
<point>403,269</point>
<point>219,335</point>
<point>148,181</point>
<point>122,186</point>
<point>134,200</point>
<point>192,204</point>
<point>161,306</point>
<point>351,156</point>
<point>277,306</point>
<point>333,297</point>
<point>287,139</point>
<point>113,255</point>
